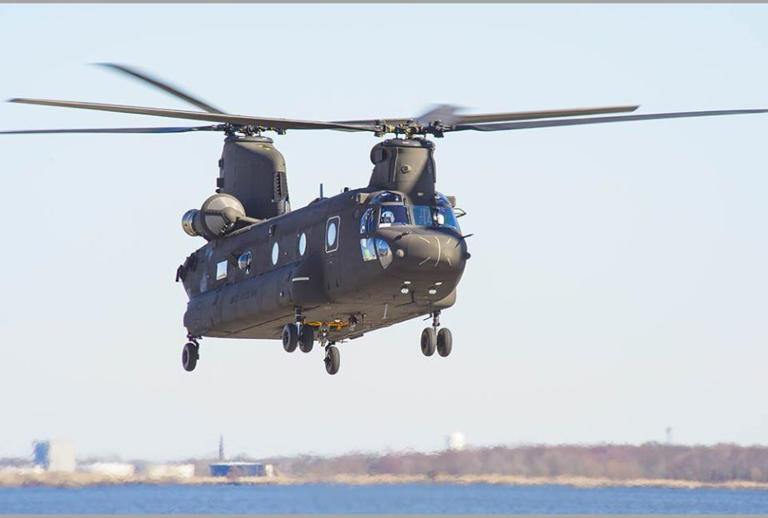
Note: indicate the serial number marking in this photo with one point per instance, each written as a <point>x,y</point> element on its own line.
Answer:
<point>242,296</point>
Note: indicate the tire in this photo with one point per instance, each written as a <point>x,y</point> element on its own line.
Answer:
<point>428,341</point>
<point>332,360</point>
<point>306,338</point>
<point>290,337</point>
<point>444,342</point>
<point>189,357</point>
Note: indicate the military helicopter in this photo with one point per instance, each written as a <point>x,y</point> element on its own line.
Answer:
<point>343,265</point>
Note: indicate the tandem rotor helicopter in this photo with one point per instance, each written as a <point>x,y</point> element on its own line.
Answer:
<point>344,265</point>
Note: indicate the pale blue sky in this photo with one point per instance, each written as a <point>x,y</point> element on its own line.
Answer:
<point>618,279</point>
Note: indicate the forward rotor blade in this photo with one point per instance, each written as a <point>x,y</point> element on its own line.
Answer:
<point>497,117</point>
<point>180,129</point>
<point>237,120</point>
<point>599,120</point>
<point>161,85</point>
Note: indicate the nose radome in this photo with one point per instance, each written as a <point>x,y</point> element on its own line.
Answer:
<point>430,250</point>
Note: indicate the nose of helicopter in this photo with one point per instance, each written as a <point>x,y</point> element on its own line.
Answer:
<point>428,252</point>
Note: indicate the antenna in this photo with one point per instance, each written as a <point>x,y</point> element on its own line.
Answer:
<point>321,190</point>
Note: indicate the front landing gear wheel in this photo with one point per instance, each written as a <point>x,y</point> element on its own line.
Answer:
<point>428,341</point>
<point>189,356</point>
<point>306,338</point>
<point>332,359</point>
<point>290,337</point>
<point>444,342</point>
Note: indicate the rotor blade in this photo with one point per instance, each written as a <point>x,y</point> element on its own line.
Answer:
<point>180,129</point>
<point>545,114</point>
<point>497,117</point>
<point>161,85</point>
<point>238,120</point>
<point>598,120</point>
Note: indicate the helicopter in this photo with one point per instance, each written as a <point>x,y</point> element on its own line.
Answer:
<point>343,265</point>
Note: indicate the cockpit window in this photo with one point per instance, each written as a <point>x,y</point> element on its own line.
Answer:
<point>425,216</point>
<point>391,215</point>
<point>366,222</point>
<point>386,197</point>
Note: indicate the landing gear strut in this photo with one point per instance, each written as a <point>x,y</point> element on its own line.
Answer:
<point>432,339</point>
<point>190,354</point>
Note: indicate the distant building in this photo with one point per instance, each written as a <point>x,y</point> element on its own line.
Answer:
<point>112,469</point>
<point>242,469</point>
<point>170,471</point>
<point>55,455</point>
<point>455,441</point>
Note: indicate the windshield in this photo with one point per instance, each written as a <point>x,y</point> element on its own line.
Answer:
<point>391,215</point>
<point>425,216</point>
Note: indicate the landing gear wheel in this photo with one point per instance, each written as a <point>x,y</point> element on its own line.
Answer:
<point>306,338</point>
<point>444,342</point>
<point>332,359</point>
<point>189,356</point>
<point>428,341</point>
<point>290,337</point>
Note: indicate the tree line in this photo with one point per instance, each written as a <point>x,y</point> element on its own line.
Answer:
<point>716,463</point>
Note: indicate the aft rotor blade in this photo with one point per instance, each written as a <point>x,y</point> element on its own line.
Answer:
<point>497,117</point>
<point>179,129</point>
<point>545,114</point>
<point>177,92</point>
<point>599,120</point>
<point>237,120</point>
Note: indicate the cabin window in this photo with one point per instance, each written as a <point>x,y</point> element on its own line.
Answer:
<point>221,270</point>
<point>332,234</point>
<point>275,253</point>
<point>302,243</point>
<point>244,261</point>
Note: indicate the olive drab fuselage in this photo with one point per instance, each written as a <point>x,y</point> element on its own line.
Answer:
<point>339,259</point>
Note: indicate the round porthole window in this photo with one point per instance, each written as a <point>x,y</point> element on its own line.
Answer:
<point>275,253</point>
<point>331,235</point>
<point>302,243</point>
<point>244,261</point>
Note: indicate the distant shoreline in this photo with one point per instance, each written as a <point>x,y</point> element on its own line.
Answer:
<point>79,480</point>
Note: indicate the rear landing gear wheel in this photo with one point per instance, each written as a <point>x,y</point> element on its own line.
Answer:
<point>189,356</point>
<point>332,359</point>
<point>290,337</point>
<point>306,338</point>
<point>444,342</point>
<point>428,341</point>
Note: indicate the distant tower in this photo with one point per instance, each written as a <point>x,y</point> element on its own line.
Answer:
<point>221,447</point>
<point>669,434</point>
<point>455,441</point>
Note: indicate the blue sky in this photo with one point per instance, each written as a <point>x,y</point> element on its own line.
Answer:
<point>617,284</point>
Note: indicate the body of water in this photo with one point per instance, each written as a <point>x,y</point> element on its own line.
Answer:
<point>379,499</point>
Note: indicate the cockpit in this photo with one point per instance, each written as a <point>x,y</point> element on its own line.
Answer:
<point>388,210</point>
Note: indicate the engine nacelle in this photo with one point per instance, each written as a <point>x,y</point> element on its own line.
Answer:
<point>217,216</point>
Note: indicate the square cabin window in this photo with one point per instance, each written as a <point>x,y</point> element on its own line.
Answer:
<point>221,270</point>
